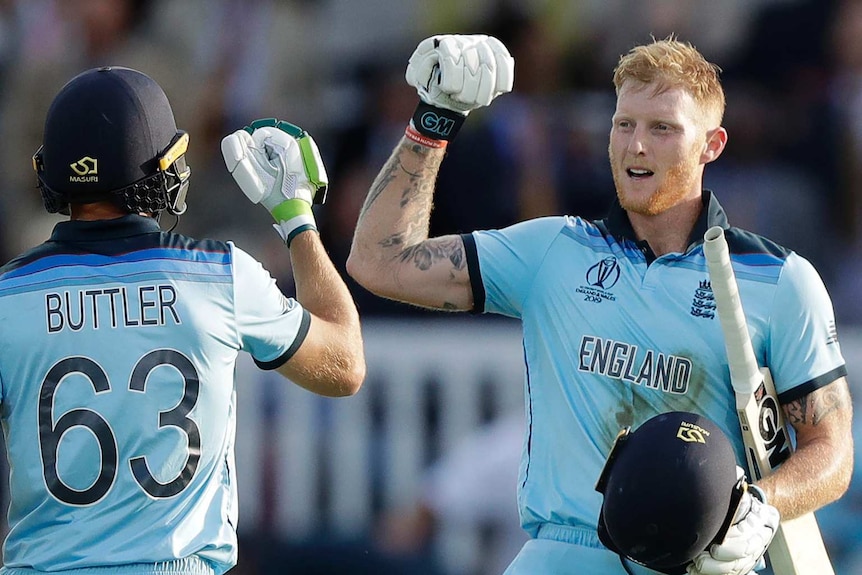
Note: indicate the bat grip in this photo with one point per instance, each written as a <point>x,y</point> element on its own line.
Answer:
<point>744,370</point>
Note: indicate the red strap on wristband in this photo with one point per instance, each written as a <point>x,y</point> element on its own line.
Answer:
<point>412,134</point>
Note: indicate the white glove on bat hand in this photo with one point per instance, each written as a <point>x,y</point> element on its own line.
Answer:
<point>744,545</point>
<point>277,164</point>
<point>457,73</point>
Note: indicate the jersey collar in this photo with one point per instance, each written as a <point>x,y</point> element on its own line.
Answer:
<point>123,227</point>
<point>618,224</point>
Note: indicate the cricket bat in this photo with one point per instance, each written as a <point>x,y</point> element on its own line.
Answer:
<point>797,548</point>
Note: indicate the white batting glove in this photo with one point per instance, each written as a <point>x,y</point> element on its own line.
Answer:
<point>460,72</point>
<point>744,545</point>
<point>454,74</point>
<point>277,164</point>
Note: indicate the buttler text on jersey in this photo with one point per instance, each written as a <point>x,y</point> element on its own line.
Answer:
<point>143,306</point>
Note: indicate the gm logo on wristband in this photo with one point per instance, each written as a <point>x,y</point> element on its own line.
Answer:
<point>436,124</point>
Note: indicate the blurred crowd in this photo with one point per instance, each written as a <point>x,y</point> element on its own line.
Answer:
<point>792,70</point>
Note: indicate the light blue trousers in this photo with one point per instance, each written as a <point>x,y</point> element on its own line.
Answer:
<point>562,550</point>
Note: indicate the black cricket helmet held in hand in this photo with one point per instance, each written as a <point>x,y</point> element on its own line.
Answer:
<point>670,491</point>
<point>110,133</point>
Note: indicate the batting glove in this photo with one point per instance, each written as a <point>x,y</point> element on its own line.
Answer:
<point>454,74</point>
<point>744,546</point>
<point>277,164</point>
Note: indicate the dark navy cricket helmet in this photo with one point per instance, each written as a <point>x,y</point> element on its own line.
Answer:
<point>110,133</point>
<point>670,491</point>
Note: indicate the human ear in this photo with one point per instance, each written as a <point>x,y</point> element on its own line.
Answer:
<point>716,140</point>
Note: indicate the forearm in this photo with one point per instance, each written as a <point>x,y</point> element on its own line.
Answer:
<point>322,292</point>
<point>803,484</point>
<point>395,216</point>
<point>819,470</point>
<point>319,287</point>
<point>392,255</point>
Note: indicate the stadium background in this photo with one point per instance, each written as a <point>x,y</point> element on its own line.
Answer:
<point>792,171</point>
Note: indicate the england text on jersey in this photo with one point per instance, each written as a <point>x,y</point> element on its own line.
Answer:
<point>147,305</point>
<point>619,360</point>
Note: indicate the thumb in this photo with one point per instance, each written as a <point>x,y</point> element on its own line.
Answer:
<point>242,165</point>
<point>234,147</point>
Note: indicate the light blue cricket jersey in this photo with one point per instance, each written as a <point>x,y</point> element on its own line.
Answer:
<point>117,350</point>
<point>611,339</point>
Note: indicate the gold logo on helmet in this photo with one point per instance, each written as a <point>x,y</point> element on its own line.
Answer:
<point>87,170</point>
<point>691,433</point>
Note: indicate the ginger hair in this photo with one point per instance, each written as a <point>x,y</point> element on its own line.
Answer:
<point>670,63</point>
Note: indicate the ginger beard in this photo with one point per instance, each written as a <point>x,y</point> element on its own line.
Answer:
<point>675,184</point>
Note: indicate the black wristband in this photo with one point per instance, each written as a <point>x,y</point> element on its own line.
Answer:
<point>436,123</point>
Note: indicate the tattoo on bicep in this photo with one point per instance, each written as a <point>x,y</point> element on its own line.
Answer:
<point>814,407</point>
<point>426,254</point>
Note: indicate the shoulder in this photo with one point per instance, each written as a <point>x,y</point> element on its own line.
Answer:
<point>742,242</point>
<point>548,227</point>
<point>36,258</point>
<point>758,258</point>
<point>180,241</point>
<point>755,257</point>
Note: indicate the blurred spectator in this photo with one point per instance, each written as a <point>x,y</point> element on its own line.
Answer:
<point>62,39</point>
<point>784,164</point>
<point>505,157</point>
<point>10,42</point>
<point>761,188</point>
<point>845,49</point>
<point>248,59</point>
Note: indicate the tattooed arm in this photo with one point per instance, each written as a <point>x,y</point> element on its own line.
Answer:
<point>391,254</point>
<point>819,470</point>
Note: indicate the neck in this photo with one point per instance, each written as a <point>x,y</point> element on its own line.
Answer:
<point>96,211</point>
<point>669,231</point>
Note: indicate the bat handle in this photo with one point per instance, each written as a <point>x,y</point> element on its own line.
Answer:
<point>744,369</point>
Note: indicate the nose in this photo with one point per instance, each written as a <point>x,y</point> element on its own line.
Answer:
<point>636,143</point>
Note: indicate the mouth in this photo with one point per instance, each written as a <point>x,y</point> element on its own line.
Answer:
<point>638,173</point>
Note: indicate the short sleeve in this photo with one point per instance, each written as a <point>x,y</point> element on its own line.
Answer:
<point>509,260</point>
<point>804,353</point>
<point>270,326</point>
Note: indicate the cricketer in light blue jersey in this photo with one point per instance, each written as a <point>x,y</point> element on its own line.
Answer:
<point>122,424</point>
<point>603,347</point>
<point>119,341</point>
<point>618,317</point>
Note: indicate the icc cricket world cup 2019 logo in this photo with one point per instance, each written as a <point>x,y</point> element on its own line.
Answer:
<point>604,274</point>
<point>601,277</point>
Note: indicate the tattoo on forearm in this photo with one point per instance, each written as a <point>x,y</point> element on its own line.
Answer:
<point>419,183</point>
<point>814,407</point>
<point>387,174</point>
<point>395,240</point>
<point>426,254</point>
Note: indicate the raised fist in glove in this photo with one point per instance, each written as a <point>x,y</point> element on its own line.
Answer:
<point>277,164</point>
<point>745,543</point>
<point>454,74</point>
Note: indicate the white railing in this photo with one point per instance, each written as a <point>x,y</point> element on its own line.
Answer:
<point>310,465</point>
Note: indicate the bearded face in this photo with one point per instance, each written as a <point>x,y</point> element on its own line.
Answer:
<point>656,149</point>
